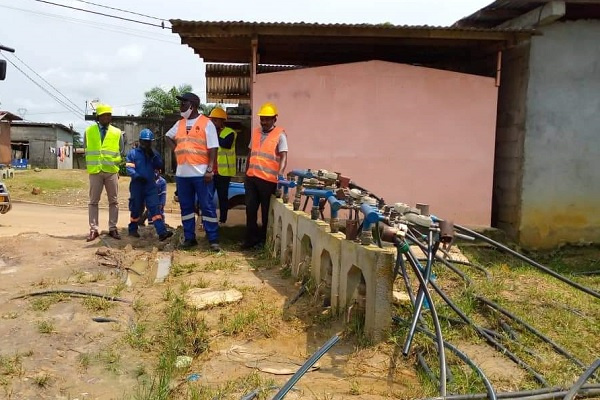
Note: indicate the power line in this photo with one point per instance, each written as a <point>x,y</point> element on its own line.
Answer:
<point>59,101</point>
<point>103,14</point>
<point>75,106</point>
<point>120,9</point>
<point>99,25</point>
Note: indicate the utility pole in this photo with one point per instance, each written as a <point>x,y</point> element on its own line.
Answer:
<point>3,62</point>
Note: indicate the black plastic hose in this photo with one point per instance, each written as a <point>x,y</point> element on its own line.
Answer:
<point>73,292</point>
<point>555,391</point>
<point>581,381</point>
<point>529,260</point>
<point>531,329</point>
<point>491,394</point>
<point>405,277</point>
<point>436,325</point>
<point>305,367</point>
<point>423,364</point>
<point>489,338</point>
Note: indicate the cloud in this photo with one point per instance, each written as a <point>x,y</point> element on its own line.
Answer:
<point>129,55</point>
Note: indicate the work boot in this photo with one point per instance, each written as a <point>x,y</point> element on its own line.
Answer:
<point>114,234</point>
<point>134,234</point>
<point>165,236</point>
<point>92,236</point>
<point>214,246</point>
<point>188,244</point>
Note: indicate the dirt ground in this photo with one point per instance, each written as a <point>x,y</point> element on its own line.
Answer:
<point>56,351</point>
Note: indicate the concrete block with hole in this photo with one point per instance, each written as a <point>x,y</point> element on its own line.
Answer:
<point>309,232</point>
<point>275,228</point>
<point>366,286</point>
<point>327,256</point>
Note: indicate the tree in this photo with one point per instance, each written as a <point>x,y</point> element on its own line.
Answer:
<point>159,103</point>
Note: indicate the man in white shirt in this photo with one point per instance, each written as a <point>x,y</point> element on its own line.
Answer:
<point>195,142</point>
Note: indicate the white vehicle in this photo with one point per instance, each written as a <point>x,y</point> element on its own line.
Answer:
<point>5,204</point>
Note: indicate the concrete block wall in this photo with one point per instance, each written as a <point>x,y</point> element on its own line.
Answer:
<point>355,280</point>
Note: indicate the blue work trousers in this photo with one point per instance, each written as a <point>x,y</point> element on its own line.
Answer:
<point>188,190</point>
<point>141,193</point>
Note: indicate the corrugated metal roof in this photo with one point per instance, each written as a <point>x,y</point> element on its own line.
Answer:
<point>179,24</point>
<point>6,115</point>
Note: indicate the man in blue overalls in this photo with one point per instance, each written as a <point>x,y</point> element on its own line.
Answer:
<point>141,164</point>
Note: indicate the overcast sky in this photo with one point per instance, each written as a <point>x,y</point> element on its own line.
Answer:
<point>89,57</point>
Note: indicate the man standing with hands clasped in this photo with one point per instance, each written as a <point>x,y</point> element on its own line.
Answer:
<point>195,142</point>
<point>267,160</point>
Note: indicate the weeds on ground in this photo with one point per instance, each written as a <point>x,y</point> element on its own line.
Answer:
<point>262,318</point>
<point>97,304</point>
<point>136,337</point>
<point>221,265</point>
<point>11,365</point>
<point>183,332</point>
<point>182,269</point>
<point>111,358</point>
<point>42,380</point>
<point>236,388</point>
<point>84,360</point>
<point>43,303</point>
<point>45,327</point>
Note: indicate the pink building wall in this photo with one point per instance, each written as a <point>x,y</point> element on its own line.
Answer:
<point>410,134</point>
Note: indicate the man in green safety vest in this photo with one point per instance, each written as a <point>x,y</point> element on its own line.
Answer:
<point>226,161</point>
<point>103,144</point>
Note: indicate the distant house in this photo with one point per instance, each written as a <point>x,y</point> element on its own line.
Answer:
<point>45,145</point>
<point>5,149</point>
<point>547,164</point>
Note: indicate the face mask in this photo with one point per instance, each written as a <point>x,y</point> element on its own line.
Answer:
<point>186,114</point>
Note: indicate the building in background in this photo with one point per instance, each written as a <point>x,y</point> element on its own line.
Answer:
<point>44,145</point>
<point>547,164</point>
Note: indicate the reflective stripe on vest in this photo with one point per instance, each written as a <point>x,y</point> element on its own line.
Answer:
<point>102,156</point>
<point>191,147</point>
<point>264,161</point>
<point>226,157</point>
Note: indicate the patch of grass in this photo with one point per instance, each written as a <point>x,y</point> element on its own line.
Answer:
<point>235,388</point>
<point>139,306</point>
<point>184,332</point>
<point>45,327</point>
<point>183,269</point>
<point>117,289</point>
<point>43,303</point>
<point>10,315</point>
<point>11,365</point>
<point>263,318</point>
<point>200,283</point>
<point>42,380</point>
<point>97,304</point>
<point>139,371</point>
<point>136,337</point>
<point>221,265</point>
<point>84,360</point>
<point>111,358</point>
<point>97,277</point>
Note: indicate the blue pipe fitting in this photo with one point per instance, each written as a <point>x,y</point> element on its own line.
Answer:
<point>302,173</point>
<point>335,205</point>
<point>371,214</point>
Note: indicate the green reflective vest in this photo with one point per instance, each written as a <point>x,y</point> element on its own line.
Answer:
<point>102,156</point>
<point>226,157</point>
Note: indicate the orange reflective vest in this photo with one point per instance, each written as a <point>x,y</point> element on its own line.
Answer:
<point>264,161</point>
<point>191,146</point>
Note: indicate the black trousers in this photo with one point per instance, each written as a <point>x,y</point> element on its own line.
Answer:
<point>258,193</point>
<point>222,188</point>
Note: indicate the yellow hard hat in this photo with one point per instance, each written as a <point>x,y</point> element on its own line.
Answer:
<point>267,110</point>
<point>103,109</point>
<point>218,112</point>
